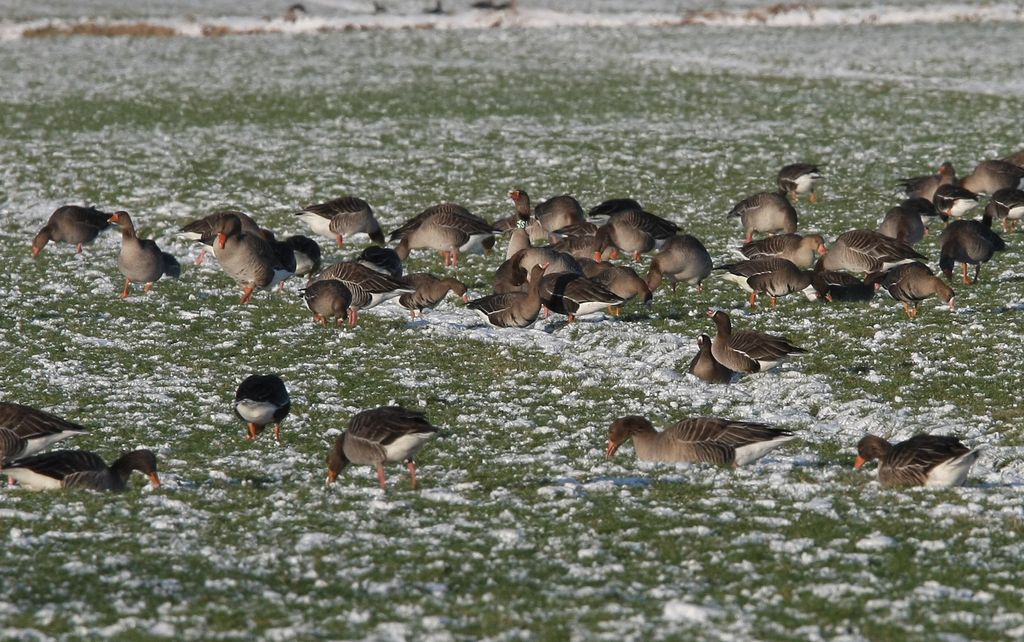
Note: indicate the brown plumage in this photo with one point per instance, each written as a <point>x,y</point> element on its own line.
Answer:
<point>261,400</point>
<point>767,212</point>
<point>708,440</point>
<point>81,469</point>
<point>430,290</point>
<point>1007,205</point>
<point>840,286</point>
<point>911,283</point>
<point>247,258</point>
<point>553,214</point>
<point>683,258</point>
<point>953,201</point>
<point>867,251</point>
<point>25,431</point>
<point>704,366</point>
<point>622,281</point>
<point>990,176</point>
<point>633,232</point>
<point>925,186</point>
<point>905,222</point>
<point>379,436</point>
<point>343,217</point>
<point>923,460</point>
<point>968,242</point>
<point>205,229</point>
<point>800,250</point>
<point>308,256</point>
<point>448,228</point>
<point>329,299</point>
<point>512,309</point>
<point>140,260</point>
<point>799,178</point>
<point>367,287</point>
<point>575,295</point>
<point>772,276</point>
<point>747,351</point>
<point>71,224</point>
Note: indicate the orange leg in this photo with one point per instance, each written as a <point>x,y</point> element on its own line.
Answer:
<point>253,431</point>
<point>149,286</point>
<point>814,197</point>
<point>381,478</point>
<point>906,308</point>
<point>277,433</point>
<point>967,281</point>
<point>124,293</point>
<point>572,318</point>
<point>775,300</point>
<point>337,239</point>
<point>753,299</point>
<point>412,472</point>
<point>201,257</point>
<point>78,249</point>
<point>353,316</point>
<point>636,256</point>
<point>247,294</point>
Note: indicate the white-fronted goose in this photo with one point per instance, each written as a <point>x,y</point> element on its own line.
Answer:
<point>574,295</point>
<point>925,186</point>
<point>247,258</point>
<point>262,400</point>
<point>81,469</point>
<point>1008,205</point>
<point>968,242</point>
<point>556,262</point>
<point>585,247</point>
<point>140,260</point>
<point>767,212</point>
<point>705,440</point>
<point>512,309</point>
<point>633,232</point>
<point>622,281</point>
<point>774,277</point>
<point>379,436</point>
<point>747,351</point>
<point>553,214</point>
<point>991,176</point>
<point>342,217</point>
<point>286,259</point>
<point>382,259</point>
<point>510,277</point>
<point>25,431</point>
<point>840,286</point>
<point>71,224</point>
<point>800,250</point>
<point>205,229</point>
<point>329,299</point>
<point>867,251</point>
<point>905,222</point>
<point>607,209</point>
<point>308,257</point>
<point>705,367</point>
<point>937,461</point>
<point>911,283</point>
<point>448,228</point>
<point>683,258</point>
<point>953,201</point>
<point>368,287</point>
<point>430,290</point>
<point>799,178</point>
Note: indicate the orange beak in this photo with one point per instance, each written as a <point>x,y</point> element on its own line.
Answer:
<point>222,239</point>
<point>951,305</point>
<point>114,218</point>
<point>36,251</point>
<point>331,476</point>
<point>597,256</point>
<point>612,447</point>
<point>822,250</point>
<point>154,479</point>
<point>857,463</point>
<point>465,298</point>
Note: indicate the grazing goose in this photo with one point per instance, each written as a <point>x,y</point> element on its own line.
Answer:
<point>205,229</point>
<point>968,242</point>
<point>585,247</point>
<point>683,258</point>
<point>911,283</point>
<point>607,209</point>
<point>448,228</point>
<point>774,277</point>
<point>905,222</point>
<point>705,367</point>
<point>329,299</point>
<point>633,232</point>
<point>247,258</point>
<point>381,259</point>
<point>840,286</point>
<point>953,201</point>
<point>767,212</point>
<point>510,277</point>
<point>747,351</point>
<point>792,247</point>
<point>799,178</point>
<point>25,431</point>
<point>705,440</point>
<point>368,287</point>
<point>937,461</point>
<point>81,469</point>
<point>991,176</point>
<point>621,281</point>
<point>925,186</point>
<point>140,260</point>
<point>71,224</point>
<point>866,251</point>
<point>342,217</point>
<point>379,436</point>
<point>553,214</point>
<point>308,258</point>
<point>430,290</point>
<point>262,400</point>
<point>1008,205</point>
<point>574,295</point>
<point>286,258</point>
<point>512,309</point>
<point>556,262</point>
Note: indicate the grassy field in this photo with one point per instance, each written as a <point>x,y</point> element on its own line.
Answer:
<point>522,529</point>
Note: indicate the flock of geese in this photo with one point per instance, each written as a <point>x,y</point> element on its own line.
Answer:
<point>571,274</point>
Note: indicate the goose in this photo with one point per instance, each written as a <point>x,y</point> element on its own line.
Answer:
<point>840,286</point>
<point>430,290</point>
<point>607,209</point>
<point>990,176</point>
<point>81,469</point>
<point>556,262</point>
<point>368,287</point>
<point>25,431</point>
<point>512,309</point>
<point>621,281</point>
<point>262,400</point>
<point>905,222</point>
<point>342,217</point>
<point>574,295</point>
<point>792,247</point>
<point>1008,205</point>
<point>799,178</point>
<point>379,436</point>
<point>585,247</point>
<point>867,251</point>
<point>329,299</point>
<point>706,440</point>
<point>747,351</point>
<point>936,461</point>
<point>247,258</point>
<point>71,224</point>
<point>705,367</point>
<point>633,232</point>
<point>308,256</point>
<point>381,259</point>
<point>140,260</point>
<point>683,258</point>
<point>205,229</point>
<point>925,186</point>
<point>774,277</point>
<point>953,201</point>
<point>968,242</point>
<point>448,228</point>
<point>768,212</point>
<point>286,258</point>
<point>553,214</point>
<point>911,283</point>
